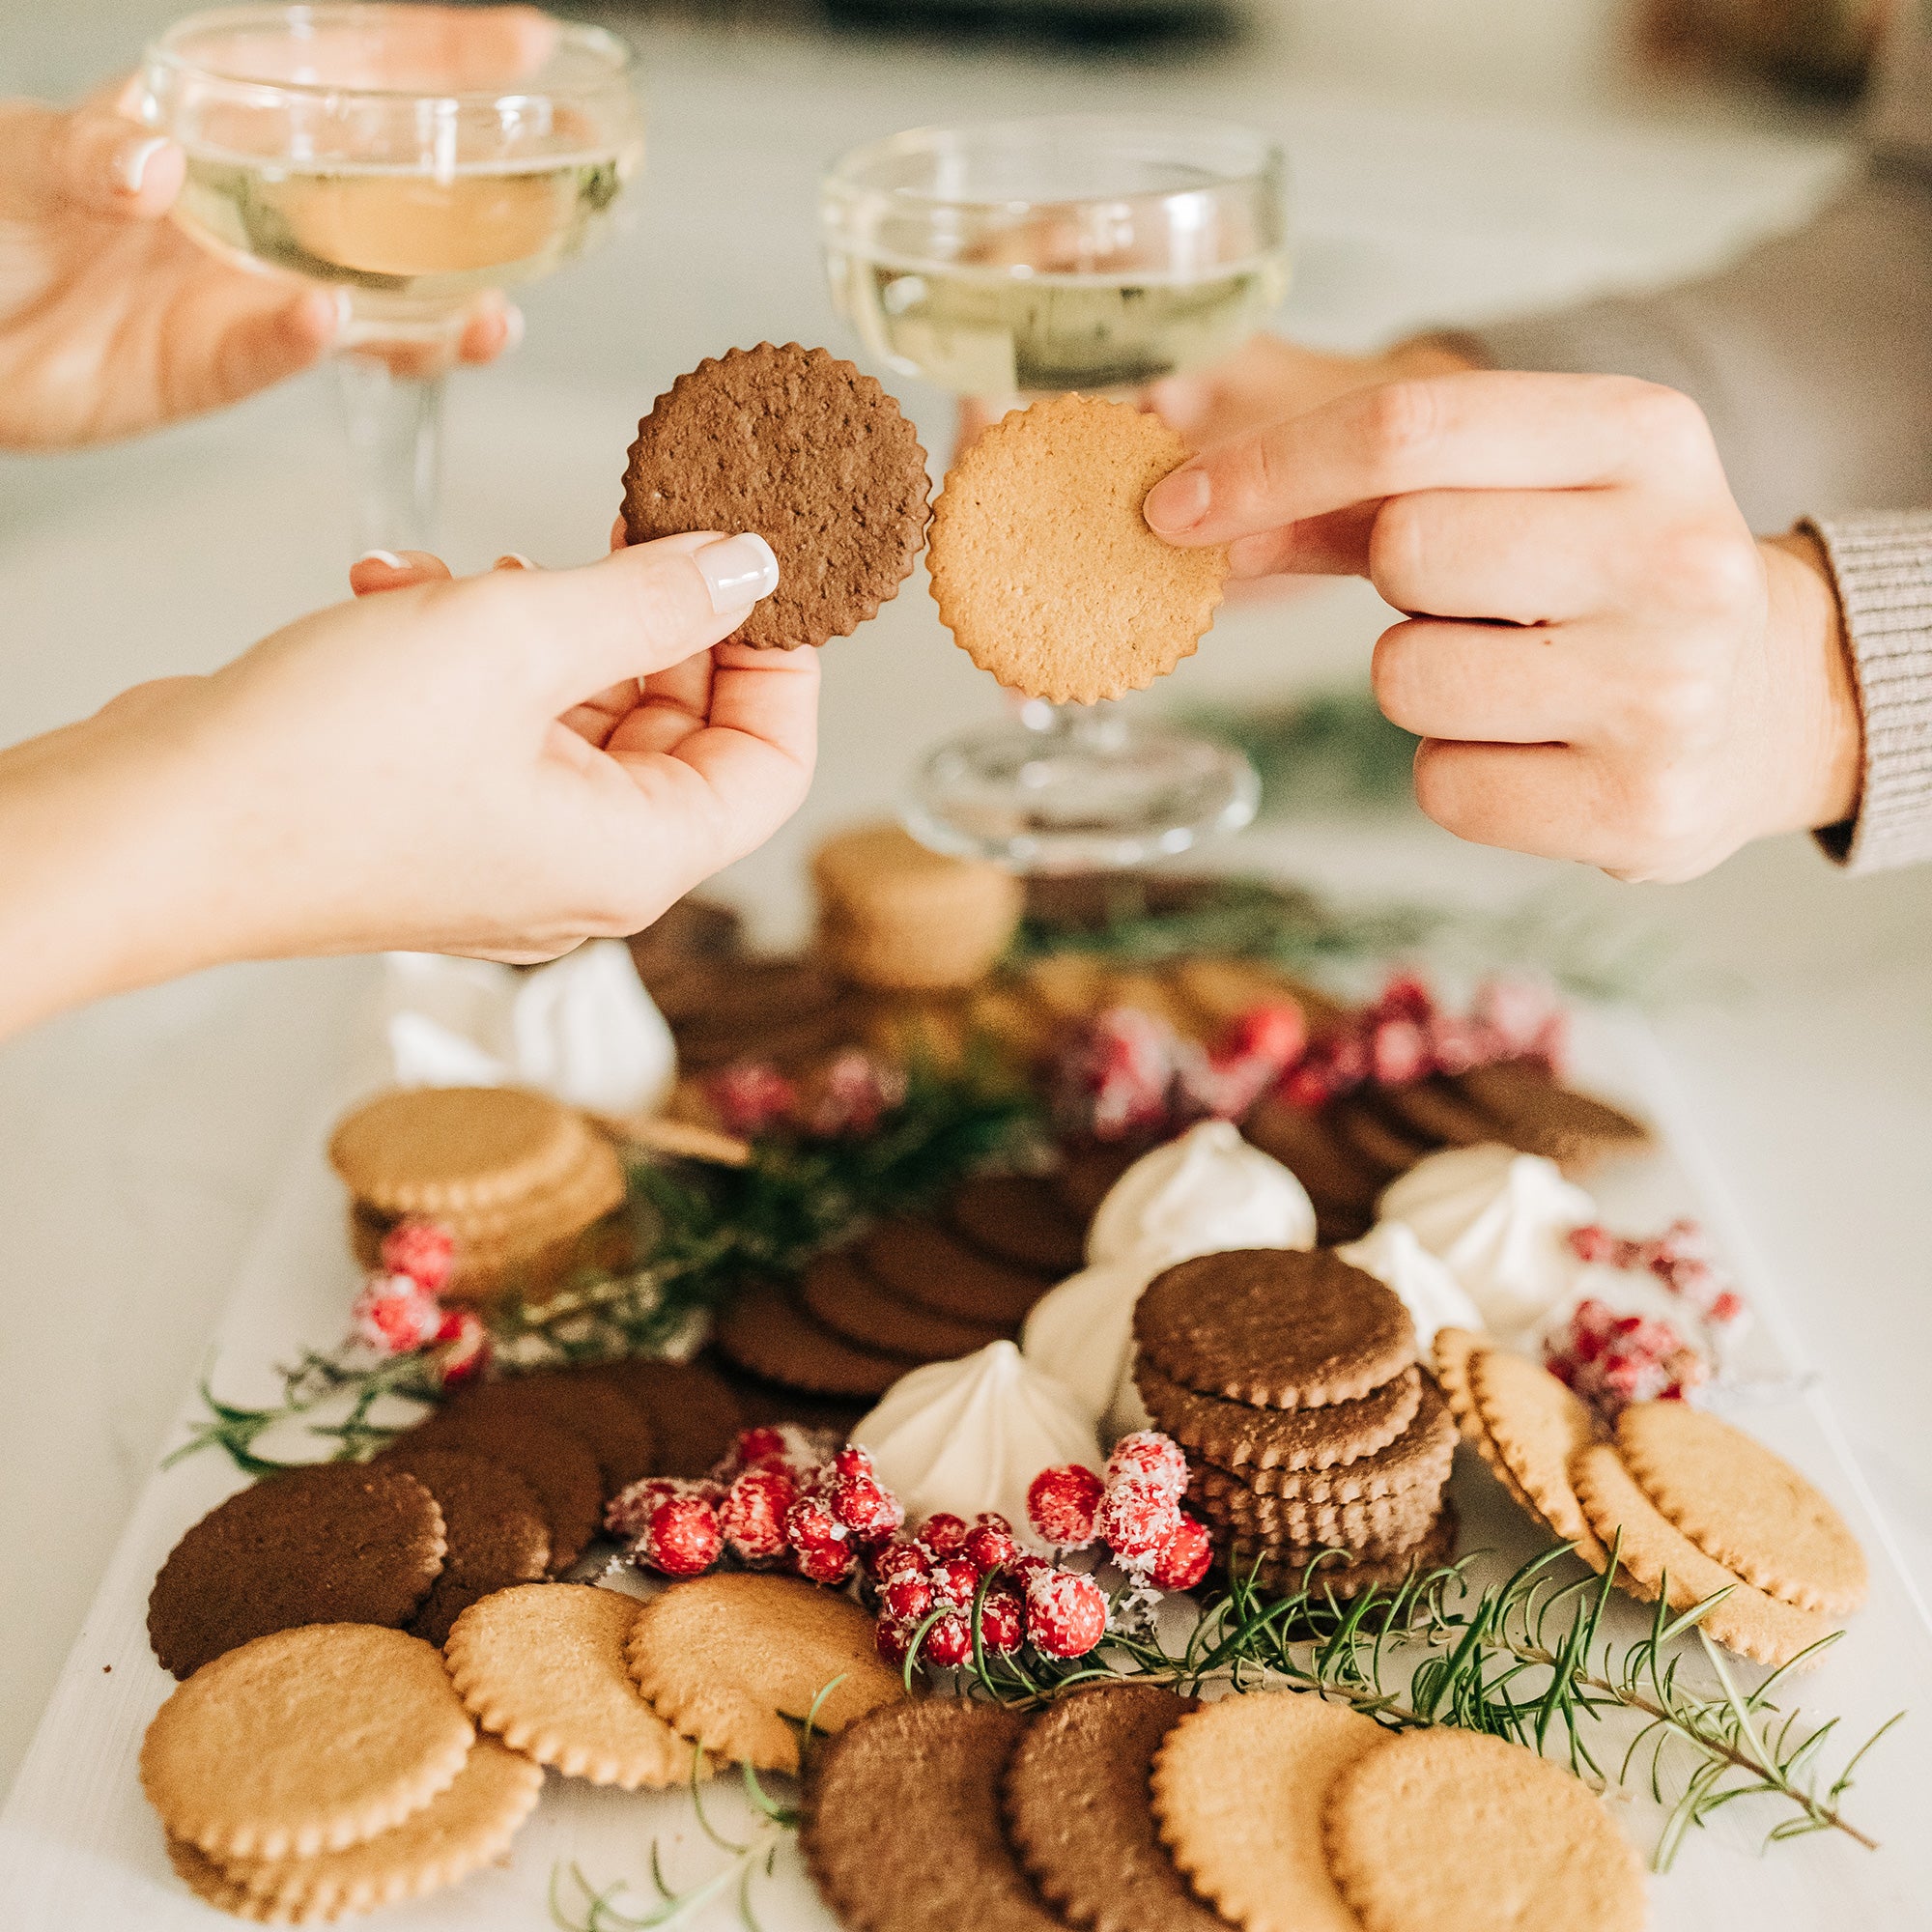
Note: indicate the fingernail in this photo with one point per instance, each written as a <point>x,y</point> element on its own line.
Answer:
<point>388,559</point>
<point>344,308</point>
<point>513,327</point>
<point>1177,503</point>
<point>514,560</point>
<point>134,162</point>
<point>737,571</point>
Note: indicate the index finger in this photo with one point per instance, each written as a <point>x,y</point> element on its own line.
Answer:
<point>1480,429</point>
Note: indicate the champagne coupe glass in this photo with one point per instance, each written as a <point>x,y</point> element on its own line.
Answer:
<point>410,156</point>
<point>1017,258</point>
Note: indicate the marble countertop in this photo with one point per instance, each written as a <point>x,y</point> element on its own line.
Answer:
<point>1441,175</point>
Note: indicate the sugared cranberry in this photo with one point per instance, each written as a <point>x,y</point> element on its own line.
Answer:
<point>864,1505</point>
<point>628,1513</point>
<point>944,1534</point>
<point>1061,1505</point>
<point>1003,1619</point>
<point>1152,1458</point>
<point>683,1537</point>
<point>754,1511</point>
<point>1067,1613</point>
<point>1182,1560</point>
<point>949,1644</point>
<point>423,1250</point>
<point>956,1581</point>
<point>1137,1517</point>
<point>908,1598</point>
<point>988,1549</point>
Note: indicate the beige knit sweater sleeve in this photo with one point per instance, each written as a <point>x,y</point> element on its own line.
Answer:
<point>1811,356</point>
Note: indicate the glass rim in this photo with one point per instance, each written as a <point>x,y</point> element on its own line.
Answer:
<point>163,53</point>
<point>843,174</point>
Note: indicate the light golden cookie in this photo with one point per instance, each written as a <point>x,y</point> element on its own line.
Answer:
<point>1654,1554</point>
<point>1537,1424</point>
<point>304,1741</point>
<point>458,1831</point>
<point>1237,1788</point>
<point>542,1666</point>
<point>211,1884</point>
<point>727,1659</point>
<point>1448,1830</point>
<point>1744,1507</point>
<point>1044,569</point>
<point>1454,1350</point>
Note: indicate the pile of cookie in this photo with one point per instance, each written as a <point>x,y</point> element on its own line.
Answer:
<point>1128,1806</point>
<point>1690,1504</point>
<point>1291,1383</point>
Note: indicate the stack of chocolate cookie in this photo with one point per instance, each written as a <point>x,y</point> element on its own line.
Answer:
<point>1291,1383</point>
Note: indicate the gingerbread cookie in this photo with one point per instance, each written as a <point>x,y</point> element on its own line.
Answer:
<point>694,1417</point>
<point>922,1262</point>
<point>560,1471</point>
<point>800,448</point>
<point>850,1302</point>
<point>765,1331</point>
<point>1017,1218</point>
<point>1534,1113</point>
<point>335,1544</point>
<point>1285,1572</point>
<point>1044,569</point>
<point>586,1407</point>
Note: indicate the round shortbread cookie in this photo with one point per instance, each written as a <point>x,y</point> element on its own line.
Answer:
<point>304,1741</point>
<point>1744,1507</point>
<point>727,1659</point>
<point>1655,1555</point>
<point>901,1830</point>
<point>1454,1350</point>
<point>462,1828</point>
<point>1274,1328</point>
<point>1078,1812</point>
<point>694,1417</point>
<point>1441,1830</point>
<point>543,1667</point>
<point>1237,1788</point>
<point>1043,567</point>
<point>1536,1425</point>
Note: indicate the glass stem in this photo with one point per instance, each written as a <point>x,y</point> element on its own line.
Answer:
<point>395,451</point>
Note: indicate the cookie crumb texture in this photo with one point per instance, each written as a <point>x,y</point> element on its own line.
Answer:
<point>1044,569</point>
<point>802,449</point>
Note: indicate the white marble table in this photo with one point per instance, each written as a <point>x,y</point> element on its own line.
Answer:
<point>1445,170</point>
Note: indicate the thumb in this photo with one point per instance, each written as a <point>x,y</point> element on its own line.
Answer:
<point>641,610</point>
<point>92,157</point>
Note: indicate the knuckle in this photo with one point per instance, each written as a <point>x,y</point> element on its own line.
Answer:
<point>1402,417</point>
<point>1668,423</point>
<point>1441,793</point>
<point>1704,568</point>
<point>1661,821</point>
<point>1680,704</point>
<point>1395,552</point>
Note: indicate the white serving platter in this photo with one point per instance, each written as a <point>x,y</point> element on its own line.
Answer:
<point>80,1850</point>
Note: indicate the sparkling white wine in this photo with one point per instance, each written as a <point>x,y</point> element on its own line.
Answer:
<point>410,235</point>
<point>986,331</point>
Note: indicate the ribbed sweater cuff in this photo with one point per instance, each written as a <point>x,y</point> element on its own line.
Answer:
<point>1883,563</point>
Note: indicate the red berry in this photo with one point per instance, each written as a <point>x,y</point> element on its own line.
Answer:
<point>956,1581</point>
<point>810,1520</point>
<point>827,1563</point>
<point>754,1513</point>
<point>1025,1566</point>
<point>463,1341</point>
<point>423,1250</point>
<point>1273,1031</point>
<point>1151,1456</point>
<point>1137,1517</point>
<point>1182,1560</point>
<point>992,1520</point>
<point>1066,1613</point>
<point>944,1534</point>
<point>1398,1052</point>
<point>1003,1619</point>
<point>852,1461</point>
<point>907,1597</point>
<point>895,1642</point>
<point>1308,1086</point>
<point>988,1549</point>
<point>895,1558</point>
<point>1061,1503</point>
<point>628,1513</point>
<point>865,1506</point>
<point>683,1537</point>
<point>762,1444</point>
<point>947,1644</point>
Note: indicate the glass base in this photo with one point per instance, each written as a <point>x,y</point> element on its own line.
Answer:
<point>1077,788</point>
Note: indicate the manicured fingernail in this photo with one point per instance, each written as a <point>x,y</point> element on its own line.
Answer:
<point>134,162</point>
<point>1177,503</point>
<point>388,559</point>
<point>514,560</point>
<point>513,327</point>
<point>345,309</point>
<point>737,571</point>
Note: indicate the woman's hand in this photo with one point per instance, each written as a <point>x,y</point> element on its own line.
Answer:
<point>112,322</point>
<point>502,765</point>
<point>1601,662</point>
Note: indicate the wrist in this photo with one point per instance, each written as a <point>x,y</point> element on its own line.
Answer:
<point>1810,669</point>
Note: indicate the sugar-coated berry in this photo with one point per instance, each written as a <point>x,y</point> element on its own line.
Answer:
<point>907,1597</point>
<point>683,1537</point>
<point>864,1505</point>
<point>852,1461</point>
<point>827,1563</point>
<point>810,1520</point>
<point>992,1520</point>
<point>462,1347</point>
<point>1025,1566</point>
<point>897,1556</point>
<point>954,1580</point>
<point>1153,1457</point>
<point>989,1549</point>
<point>1182,1560</point>
<point>423,1250</point>
<point>628,1513</point>
<point>754,1511</point>
<point>947,1644</point>
<point>944,1534</point>
<point>1061,1503</point>
<point>1137,1517</point>
<point>1003,1621</point>
<point>893,1641</point>
<point>1066,1613</point>
<point>763,1443</point>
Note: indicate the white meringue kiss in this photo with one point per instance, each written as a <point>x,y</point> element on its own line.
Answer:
<point>1433,1295</point>
<point>1082,1334</point>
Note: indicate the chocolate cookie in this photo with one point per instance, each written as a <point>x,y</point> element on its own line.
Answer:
<point>1017,1218</point>
<point>1341,1185</point>
<point>1385,1146</point>
<point>336,1544</point>
<point>800,449</point>
<point>493,1525</point>
<point>583,1406</point>
<point>901,1829</point>
<point>852,1303</point>
<point>1533,1113</point>
<point>1274,1328</point>
<point>922,1262</point>
<point>560,1472</point>
<point>694,1417</point>
<point>1437,1109</point>
<point>1078,1813</point>
<point>1087,1174</point>
<point>766,1331</point>
<point>1277,1573</point>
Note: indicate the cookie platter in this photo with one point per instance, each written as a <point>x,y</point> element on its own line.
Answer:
<point>80,1847</point>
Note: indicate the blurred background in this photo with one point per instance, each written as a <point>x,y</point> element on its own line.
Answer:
<point>1452,160</point>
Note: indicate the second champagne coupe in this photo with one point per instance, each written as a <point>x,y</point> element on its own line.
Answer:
<point>410,156</point>
<point>1090,252</point>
